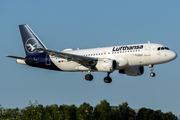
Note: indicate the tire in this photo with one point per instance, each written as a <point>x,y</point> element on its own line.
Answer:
<point>89,77</point>
<point>152,74</point>
<point>107,80</point>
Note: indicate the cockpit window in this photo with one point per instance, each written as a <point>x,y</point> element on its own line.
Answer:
<point>162,48</point>
<point>166,48</point>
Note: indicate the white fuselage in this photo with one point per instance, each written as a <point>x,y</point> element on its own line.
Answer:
<point>125,56</point>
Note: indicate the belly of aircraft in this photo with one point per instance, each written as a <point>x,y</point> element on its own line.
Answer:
<point>65,65</point>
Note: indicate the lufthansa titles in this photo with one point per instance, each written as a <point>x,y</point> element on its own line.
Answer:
<point>127,48</point>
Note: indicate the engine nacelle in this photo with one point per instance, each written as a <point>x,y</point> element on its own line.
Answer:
<point>121,62</point>
<point>106,65</point>
<point>133,71</point>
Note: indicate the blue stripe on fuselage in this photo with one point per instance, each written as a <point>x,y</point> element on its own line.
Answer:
<point>43,61</point>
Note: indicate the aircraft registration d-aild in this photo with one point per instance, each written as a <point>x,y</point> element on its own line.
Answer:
<point>127,59</point>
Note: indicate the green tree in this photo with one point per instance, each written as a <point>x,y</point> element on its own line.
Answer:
<point>115,114</point>
<point>62,112</point>
<point>1,111</point>
<point>39,112</point>
<point>68,112</point>
<point>158,114</point>
<point>84,112</point>
<point>11,114</point>
<point>72,112</point>
<point>51,112</point>
<point>102,111</point>
<point>126,112</point>
<point>145,114</point>
<point>149,114</point>
<point>169,116</point>
<point>15,113</point>
<point>47,112</point>
<point>29,113</point>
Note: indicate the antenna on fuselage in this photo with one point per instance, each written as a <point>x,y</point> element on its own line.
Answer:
<point>148,42</point>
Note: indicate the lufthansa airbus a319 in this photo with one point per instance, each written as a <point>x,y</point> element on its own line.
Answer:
<point>127,59</point>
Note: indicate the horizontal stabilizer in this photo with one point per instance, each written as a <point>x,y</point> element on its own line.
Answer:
<point>21,58</point>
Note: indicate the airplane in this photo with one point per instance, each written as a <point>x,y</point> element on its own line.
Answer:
<point>128,59</point>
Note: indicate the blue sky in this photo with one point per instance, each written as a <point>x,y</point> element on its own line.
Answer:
<point>88,24</point>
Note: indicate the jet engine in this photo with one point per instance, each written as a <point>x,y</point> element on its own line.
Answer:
<point>106,65</point>
<point>133,71</point>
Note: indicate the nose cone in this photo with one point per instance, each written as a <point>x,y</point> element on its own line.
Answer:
<point>172,55</point>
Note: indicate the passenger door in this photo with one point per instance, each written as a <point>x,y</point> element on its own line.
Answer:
<point>147,50</point>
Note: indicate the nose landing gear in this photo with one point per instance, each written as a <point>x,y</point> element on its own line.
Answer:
<point>152,74</point>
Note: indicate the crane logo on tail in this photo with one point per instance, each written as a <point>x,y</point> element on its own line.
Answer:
<point>31,45</point>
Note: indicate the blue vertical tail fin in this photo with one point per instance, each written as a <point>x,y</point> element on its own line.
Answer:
<point>30,40</point>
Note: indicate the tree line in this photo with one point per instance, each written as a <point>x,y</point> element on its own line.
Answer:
<point>85,111</point>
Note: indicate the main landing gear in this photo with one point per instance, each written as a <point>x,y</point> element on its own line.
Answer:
<point>89,77</point>
<point>152,74</point>
<point>107,79</point>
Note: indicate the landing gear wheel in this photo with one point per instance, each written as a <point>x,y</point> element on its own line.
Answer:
<point>89,77</point>
<point>152,74</point>
<point>107,80</point>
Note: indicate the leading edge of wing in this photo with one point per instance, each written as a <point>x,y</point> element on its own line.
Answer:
<point>73,57</point>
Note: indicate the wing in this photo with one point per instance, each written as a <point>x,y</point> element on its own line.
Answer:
<point>77,58</point>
